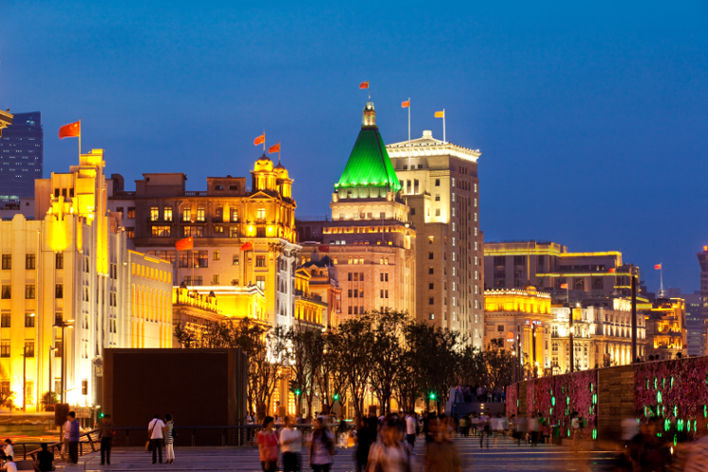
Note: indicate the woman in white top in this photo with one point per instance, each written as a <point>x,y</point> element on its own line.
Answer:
<point>7,449</point>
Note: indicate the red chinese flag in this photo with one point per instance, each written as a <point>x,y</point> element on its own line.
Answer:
<point>324,248</point>
<point>406,104</point>
<point>274,148</point>
<point>657,267</point>
<point>259,140</point>
<point>564,285</point>
<point>612,270</point>
<point>72,130</point>
<point>185,244</point>
<point>247,246</point>
<point>364,85</point>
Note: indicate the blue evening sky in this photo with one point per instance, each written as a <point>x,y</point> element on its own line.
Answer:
<point>592,116</point>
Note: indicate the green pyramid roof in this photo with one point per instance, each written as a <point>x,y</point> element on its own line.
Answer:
<point>369,164</point>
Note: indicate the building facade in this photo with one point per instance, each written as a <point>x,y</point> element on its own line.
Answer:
<point>369,238</point>
<point>666,328</point>
<point>550,267</point>
<point>241,237</point>
<point>21,156</point>
<point>440,183</point>
<point>519,321</point>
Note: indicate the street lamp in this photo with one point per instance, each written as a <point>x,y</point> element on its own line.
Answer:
<point>63,325</point>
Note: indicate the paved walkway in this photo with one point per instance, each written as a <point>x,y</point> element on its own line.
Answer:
<point>503,454</point>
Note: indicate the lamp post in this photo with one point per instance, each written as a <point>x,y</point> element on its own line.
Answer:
<point>63,325</point>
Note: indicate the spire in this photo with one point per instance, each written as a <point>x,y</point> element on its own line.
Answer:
<point>369,118</point>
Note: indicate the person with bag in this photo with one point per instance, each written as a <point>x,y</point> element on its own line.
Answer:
<point>156,434</point>
<point>389,453</point>
<point>267,441</point>
<point>169,439</point>
<point>321,447</point>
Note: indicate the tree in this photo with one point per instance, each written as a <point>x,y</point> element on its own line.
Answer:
<point>306,354</point>
<point>353,350</point>
<point>329,377</point>
<point>387,357</point>
<point>500,368</point>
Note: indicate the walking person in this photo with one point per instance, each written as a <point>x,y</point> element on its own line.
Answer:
<point>156,433</point>
<point>66,432</point>
<point>441,454</point>
<point>290,445</point>
<point>411,425</point>
<point>268,445</point>
<point>9,465</point>
<point>106,433</point>
<point>7,449</point>
<point>484,430</point>
<point>169,439</point>
<point>365,437</point>
<point>389,454</point>
<point>74,435</point>
<point>321,447</point>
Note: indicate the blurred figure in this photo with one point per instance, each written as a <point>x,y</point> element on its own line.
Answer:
<point>389,454</point>
<point>441,454</point>
<point>290,445</point>
<point>484,429</point>
<point>647,452</point>
<point>534,427</point>
<point>697,460</point>
<point>45,459</point>
<point>411,428</point>
<point>106,433</point>
<point>169,439</point>
<point>268,445</point>
<point>520,429</point>
<point>321,447</point>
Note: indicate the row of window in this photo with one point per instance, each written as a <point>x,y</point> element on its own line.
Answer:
<point>200,215</point>
<point>5,347</point>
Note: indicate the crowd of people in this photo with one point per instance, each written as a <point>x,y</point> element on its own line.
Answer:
<point>383,444</point>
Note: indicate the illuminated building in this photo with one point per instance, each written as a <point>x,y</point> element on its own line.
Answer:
<point>5,119</point>
<point>323,284</point>
<point>519,321</point>
<point>369,238</point>
<point>666,328</point>
<point>549,266</point>
<point>242,237</point>
<point>310,307</point>
<point>21,155</point>
<point>602,335</point>
<point>440,184</point>
<point>703,264</point>
<point>66,285</point>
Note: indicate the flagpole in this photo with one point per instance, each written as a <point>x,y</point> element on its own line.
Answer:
<point>79,138</point>
<point>661,280</point>
<point>444,135</point>
<point>264,151</point>
<point>409,119</point>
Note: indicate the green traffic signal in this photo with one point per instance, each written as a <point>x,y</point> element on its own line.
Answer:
<point>298,391</point>
<point>432,396</point>
<point>336,397</point>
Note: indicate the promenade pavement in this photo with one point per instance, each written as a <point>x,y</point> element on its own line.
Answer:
<point>502,455</point>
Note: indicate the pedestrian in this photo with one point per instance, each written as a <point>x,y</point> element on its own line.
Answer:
<point>44,462</point>
<point>106,433</point>
<point>389,454</point>
<point>365,437</point>
<point>9,465</point>
<point>8,449</point>
<point>534,428</point>
<point>290,445</point>
<point>441,454</point>
<point>268,445</point>
<point>697,460</point>
<point>321,447</point>
<point>74,434</point>
<point>169,439</point>
<point>411,425</point>
<point>484,430</point>
<point>66,432</point>
<point>156,434</point>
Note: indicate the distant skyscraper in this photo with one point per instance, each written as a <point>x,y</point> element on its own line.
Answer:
<point>21,157</point>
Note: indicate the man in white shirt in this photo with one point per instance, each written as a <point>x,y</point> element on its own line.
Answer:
<point>156,433</point>
<point>9,465</point>
<point>411,424</point>
<point>66,432</point>
<point>290,445</point>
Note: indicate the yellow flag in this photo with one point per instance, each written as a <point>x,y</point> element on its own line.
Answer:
<point>440,114</point>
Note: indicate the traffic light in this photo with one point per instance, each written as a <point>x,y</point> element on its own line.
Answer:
<point>432,396</point>
<point>336,397</point>
<point>298,391</point>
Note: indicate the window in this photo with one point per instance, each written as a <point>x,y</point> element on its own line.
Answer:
<point>260,282</point>
<point>216,255</point>
<point>431,256</point>
<point>437,182</point>
<point>154,213</point>
<point>218,229</point>
<point>233,232</point>
<point>5,348</point>
<point>437,197</point>
<point>161,231</point>
<point>431,271</point>
<point>431,286</point>
<point>29,292</point>
<point>431,301</point>
<point>59,260</point>
<point>6,261</point>
<point>29,320</point>
<point>167,214</point>
<point>260,232</point>
<point>29,348</point>
<point>6,292</point>
<point>500,328</point>
<point>260,261</point>
<point>260,214</point>
<point>187,214</point>
<point>131,212</point>
<point>30,261</point>
<point>431,316</point>
<point>201,214</point>
<point>5,319</point>
<point>187,231</point>
<point>234,215</point>
<point>201,258</point>
<point>234,260</point>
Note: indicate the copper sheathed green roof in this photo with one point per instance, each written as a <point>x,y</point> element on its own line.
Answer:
<point>369,164</point>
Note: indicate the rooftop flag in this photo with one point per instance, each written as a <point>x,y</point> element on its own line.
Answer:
<point>72,130</point>
<point>185,244</point>
<point>440,114</point>
<point>364,85</point>
<point>247,246</point>
<point>657,267</point>
<point>406,103</point>
<point>259,140</point>
<point>274,148</point>
<point>564,285</point>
